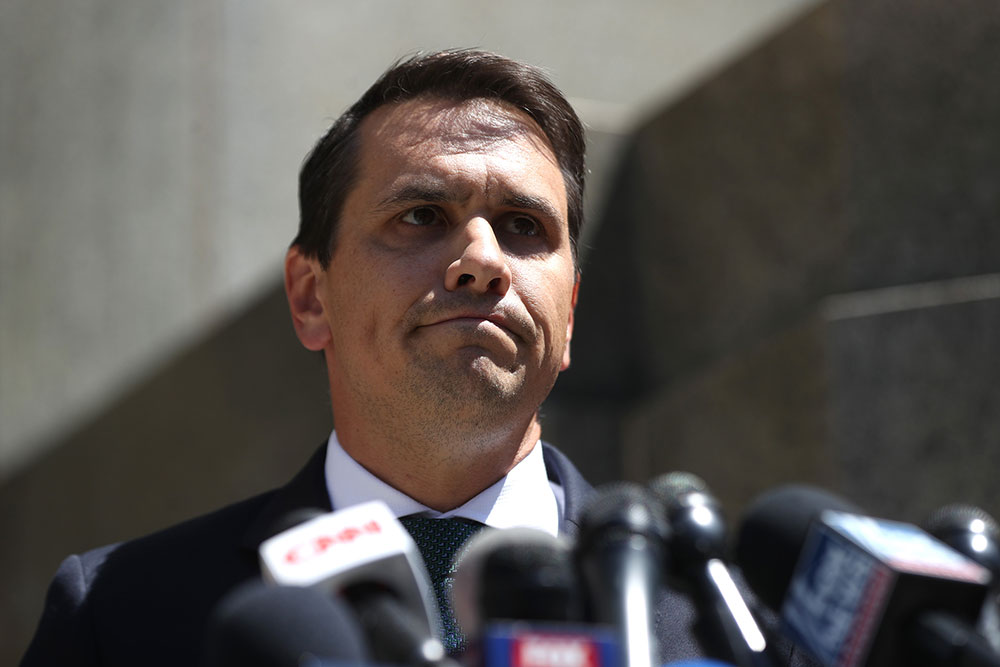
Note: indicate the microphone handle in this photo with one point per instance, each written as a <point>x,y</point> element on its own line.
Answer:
<point>622,583</point>
<point>395,634</point>
<point>725,621</point>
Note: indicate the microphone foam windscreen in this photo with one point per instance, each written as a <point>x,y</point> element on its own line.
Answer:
<point>277,626</point>
<point>617,509</point>
<point>516,573</point>
<point>671,487</point>
<point>772,533</point>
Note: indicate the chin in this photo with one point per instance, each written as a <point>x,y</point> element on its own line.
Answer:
<point>477,383</point>
<point>470,383</point>
<point>486,381</point>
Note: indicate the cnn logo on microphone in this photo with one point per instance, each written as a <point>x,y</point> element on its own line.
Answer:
<point>319,544</point>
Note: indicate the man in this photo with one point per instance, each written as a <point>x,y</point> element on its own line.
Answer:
<point>435,269</point>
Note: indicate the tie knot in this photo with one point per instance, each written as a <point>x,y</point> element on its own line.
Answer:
<point>439,542</point>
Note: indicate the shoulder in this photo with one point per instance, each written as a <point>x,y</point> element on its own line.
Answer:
<point>117,601</point>
<point>146,601</point>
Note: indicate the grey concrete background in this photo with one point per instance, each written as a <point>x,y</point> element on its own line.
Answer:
<point>791,274</point>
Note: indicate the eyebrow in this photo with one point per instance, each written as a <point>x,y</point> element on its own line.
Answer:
<point>435,194</point>
<point>416,193</point>
<point>531,203</point>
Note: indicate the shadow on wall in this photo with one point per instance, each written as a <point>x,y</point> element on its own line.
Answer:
<point>734,320</point>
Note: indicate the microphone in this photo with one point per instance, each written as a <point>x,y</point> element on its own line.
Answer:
<point>280,626</point>
<point>970,531</point>
<point>854,590</point>
<point>364,554</point>
<point>973,532</point>
<point>620,550</point>
<point>516,596</point>
<point>697,565</point>
<point>516,573</point>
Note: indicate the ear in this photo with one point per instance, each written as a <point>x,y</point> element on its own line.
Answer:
<point>302,279</point>
<point>569,322</point>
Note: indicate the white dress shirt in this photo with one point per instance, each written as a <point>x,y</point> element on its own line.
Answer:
<point>523,497</point>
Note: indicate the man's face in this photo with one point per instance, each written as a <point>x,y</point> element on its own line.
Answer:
<point>452,282</point>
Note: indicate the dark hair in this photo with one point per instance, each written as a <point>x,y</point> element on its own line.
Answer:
<point>330,170</point>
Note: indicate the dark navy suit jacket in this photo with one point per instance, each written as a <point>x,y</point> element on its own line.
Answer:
<point>146,601</point>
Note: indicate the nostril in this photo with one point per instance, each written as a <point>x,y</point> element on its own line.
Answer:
<point>465,278</point>
<point>494,284</point>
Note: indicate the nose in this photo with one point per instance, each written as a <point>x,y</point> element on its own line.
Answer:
<point>481,264</point>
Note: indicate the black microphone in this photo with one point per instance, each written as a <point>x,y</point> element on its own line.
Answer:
<point>697,565</point>
<point>514,574</point>
<point>973,532</point>
<point>854,590</point>
<point>281,626</point>
<point>516,596</point>
<point>620,550</point>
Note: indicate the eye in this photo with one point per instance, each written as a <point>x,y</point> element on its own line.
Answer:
<point>523,225</point>
<point>422,216</point>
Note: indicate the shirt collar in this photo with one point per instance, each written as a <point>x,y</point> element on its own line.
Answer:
<point>523,497</point>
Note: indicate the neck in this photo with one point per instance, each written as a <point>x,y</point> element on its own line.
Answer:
<point>442,471</point>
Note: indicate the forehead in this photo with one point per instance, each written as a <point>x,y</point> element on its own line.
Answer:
<point>457,125</point>
<point>439,136</point>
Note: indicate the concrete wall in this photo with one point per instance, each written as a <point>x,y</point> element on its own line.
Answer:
<point>799,269</point>
<point>793,274</point>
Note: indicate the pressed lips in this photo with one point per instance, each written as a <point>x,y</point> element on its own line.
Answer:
<point>514,326</point>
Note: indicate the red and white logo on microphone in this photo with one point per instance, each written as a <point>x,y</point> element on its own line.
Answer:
<point>314,545</point>
<point>339,542</point>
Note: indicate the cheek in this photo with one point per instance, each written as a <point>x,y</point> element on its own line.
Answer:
<point>363,313</point>
<point>378,296</point>
<point>549,307</point>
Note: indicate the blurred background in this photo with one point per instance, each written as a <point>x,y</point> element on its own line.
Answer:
<point>791,264</point>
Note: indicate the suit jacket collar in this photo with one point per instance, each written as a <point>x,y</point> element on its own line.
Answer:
<point>577,490</point>
<point>307,490</point>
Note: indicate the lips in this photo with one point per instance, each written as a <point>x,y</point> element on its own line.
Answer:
<point>500,322</point>
<point>517,326</point>
<point>495,319</point>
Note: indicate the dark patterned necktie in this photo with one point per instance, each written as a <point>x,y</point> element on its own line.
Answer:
<point>439,541</point>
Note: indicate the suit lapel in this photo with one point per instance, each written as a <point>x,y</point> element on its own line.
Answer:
<point>576,489</point>
<point>307,490</point>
